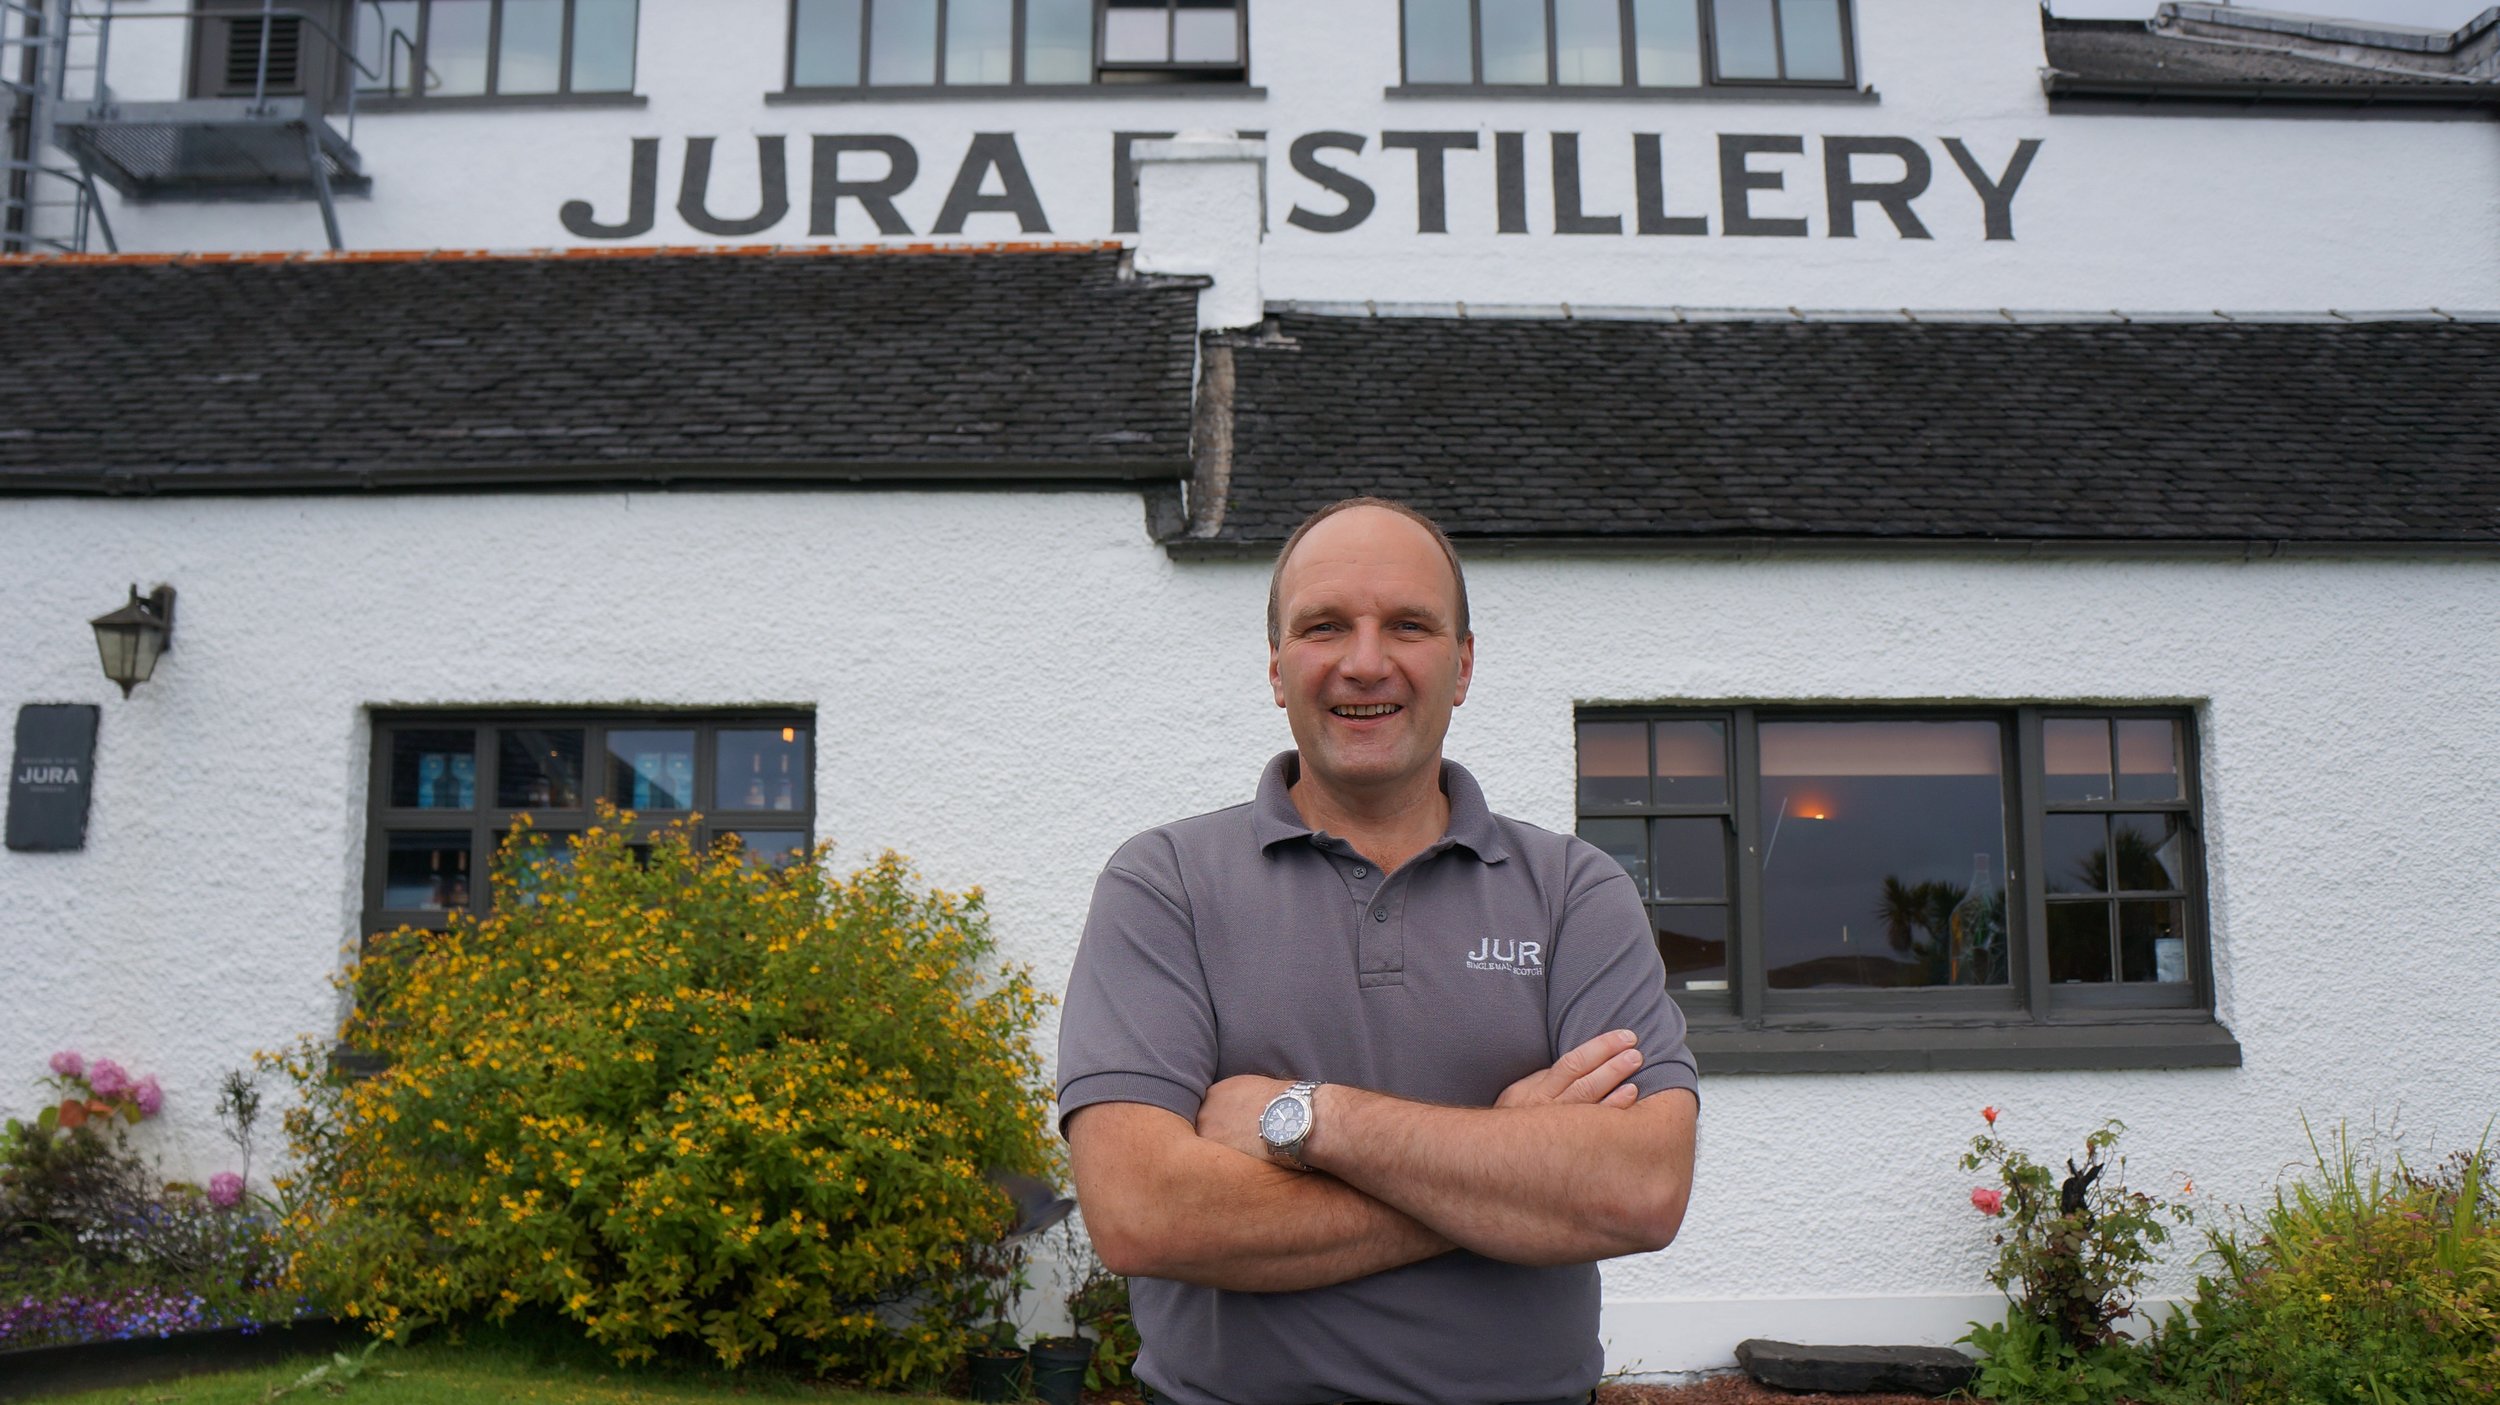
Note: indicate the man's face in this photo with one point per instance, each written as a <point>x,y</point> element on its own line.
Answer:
<point>1368,661</point>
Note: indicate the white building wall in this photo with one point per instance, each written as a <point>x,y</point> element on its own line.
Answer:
<point>2140,213</point>
<point>1008,726</point>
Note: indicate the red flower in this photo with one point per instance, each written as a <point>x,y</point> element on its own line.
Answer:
<point>1986,1201</point>
<point>1989,1113</point>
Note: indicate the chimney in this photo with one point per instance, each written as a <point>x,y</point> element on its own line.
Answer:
<point>1201,202</point>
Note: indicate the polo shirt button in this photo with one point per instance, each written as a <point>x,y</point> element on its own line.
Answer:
<point>1380,914</point>
<point>1361,872</point>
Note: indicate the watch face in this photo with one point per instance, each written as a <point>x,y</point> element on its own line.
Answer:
<point>1284,1122</point>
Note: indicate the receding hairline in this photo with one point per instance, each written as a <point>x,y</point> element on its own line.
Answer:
<point>1284,554</point>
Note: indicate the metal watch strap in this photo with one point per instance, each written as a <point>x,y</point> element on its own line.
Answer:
<point>1291,1153</point>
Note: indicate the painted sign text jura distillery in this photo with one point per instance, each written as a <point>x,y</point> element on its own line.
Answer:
<point>1740,184</point>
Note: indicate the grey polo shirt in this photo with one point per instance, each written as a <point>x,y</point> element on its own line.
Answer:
<point>1243,941</point>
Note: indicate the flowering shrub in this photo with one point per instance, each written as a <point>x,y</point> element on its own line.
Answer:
<point>684,1102</point>
<point>2071,1254</point>
<point>2355,1284</point>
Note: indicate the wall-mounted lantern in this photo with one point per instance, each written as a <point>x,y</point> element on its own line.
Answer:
<point>133,636</point>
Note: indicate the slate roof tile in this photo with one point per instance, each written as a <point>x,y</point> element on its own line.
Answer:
<point>2056,432</point>
<point>200,375</point>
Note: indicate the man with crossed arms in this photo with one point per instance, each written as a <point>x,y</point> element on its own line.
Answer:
<point>1359,1079</point>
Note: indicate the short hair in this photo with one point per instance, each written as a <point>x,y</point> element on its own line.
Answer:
<point>1276,577</point>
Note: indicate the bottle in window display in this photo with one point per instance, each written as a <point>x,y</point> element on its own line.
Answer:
<point>783,798</point>
<point>755,784</point>
<point>461,773</point>
<point>437,892</point>
<point>458,893</point>
<point>680,782</point>
<point>646,766</point>
<point>1977,930</point>
<point>429,779</point>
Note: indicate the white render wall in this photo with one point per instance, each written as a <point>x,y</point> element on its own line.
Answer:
<point>1009,725</point>
<point>2139,213</point>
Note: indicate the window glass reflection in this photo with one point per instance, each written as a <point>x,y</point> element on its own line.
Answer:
<point>538,768</point>
<point>1439,48</point>
<point>1136,31</point>
<point>2148,759</point>
<point>2147,851</point>
<point>1206,31</point>
<point>902,42</point>
<point>769,848</point>
<point>434,769</point>
<point>456,32</point>
<point>386,37</point>
<point>2152,941</point>
<point>1692,763</point>
<point>1810,39</point>
<point>603,45</point>
<point>427,871</point>
<point>529,55</point>
<point>1748,43</point>
<point>1626,842</point>
<point>2075,759</point>
<point>1058,41</point>
<point>1690,858</point>
<point>1514,40</point>
<point>1666,37</point>
<point>1614,765</point>
<point>1883,855</point>
<point>651,770</point>
<point>1692,941</point>
<point>1588,42</point>
<point>980,41</point>
<point>825,46</point>
<point>2075,850</point>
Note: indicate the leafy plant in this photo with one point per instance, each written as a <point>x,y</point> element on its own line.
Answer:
<point>2026,1362</point>
<point>1097,1303</point>
<point>687,1103</point>
<point>2071,1251</point>
<point>2359,1282</point>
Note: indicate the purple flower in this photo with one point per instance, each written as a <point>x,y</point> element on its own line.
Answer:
<point>68,1064</point>
<point>107,1078</point>
<point>149,1097</point>
<point>225,1190</point>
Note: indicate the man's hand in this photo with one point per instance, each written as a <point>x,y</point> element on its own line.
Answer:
<point>1595,1072</point>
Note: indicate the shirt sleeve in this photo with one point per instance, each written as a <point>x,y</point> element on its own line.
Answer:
<point>1606,974</point>
<point>1137,1026</point>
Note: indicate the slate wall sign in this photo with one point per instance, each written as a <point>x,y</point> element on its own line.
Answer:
<point>51,776</point>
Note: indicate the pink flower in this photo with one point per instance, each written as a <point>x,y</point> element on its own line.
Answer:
<point>225,1190</point>
<point>68,1064</point>
<point>107,1078</point>
<point>1990,1113</point>
<point>149,1097</point>
<point>1986,1201</point>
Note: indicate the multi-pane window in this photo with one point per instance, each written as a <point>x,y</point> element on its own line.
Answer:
<point>495,48</point>
<point>1627,43</point>
<point>974,43</point>
<point>447,790</point>
<point>1912,861</point>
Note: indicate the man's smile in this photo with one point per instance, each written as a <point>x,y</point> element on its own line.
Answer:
<point>1358,711</point>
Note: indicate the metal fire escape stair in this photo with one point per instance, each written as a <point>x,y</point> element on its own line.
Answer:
<point>45,206</point>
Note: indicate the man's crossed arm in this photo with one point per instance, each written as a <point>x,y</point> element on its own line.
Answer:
<point>1565,1167</point>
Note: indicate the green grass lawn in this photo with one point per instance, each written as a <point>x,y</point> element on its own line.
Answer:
<point>479,1373</point>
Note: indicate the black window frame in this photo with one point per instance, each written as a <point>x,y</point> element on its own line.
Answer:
<point>387,96</point>
<point>485,820</point>
<point>1178,76</point>
<point>1711,81</point>
<point>2029,1022</point>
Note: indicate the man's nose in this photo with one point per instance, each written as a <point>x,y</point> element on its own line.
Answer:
<point>1364,657</point>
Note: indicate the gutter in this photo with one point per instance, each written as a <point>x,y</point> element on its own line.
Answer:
<point>2414,96</point>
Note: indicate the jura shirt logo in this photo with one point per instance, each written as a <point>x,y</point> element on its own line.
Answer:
<point>42,774</point>
<point>1518,958</point>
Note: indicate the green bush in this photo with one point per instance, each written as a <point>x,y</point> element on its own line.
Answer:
<point>2359,1283</point>
<point>690,1104</point>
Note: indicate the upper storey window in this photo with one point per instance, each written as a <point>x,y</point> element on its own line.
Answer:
<point>840,44</point>
<point>496,48</point>
<point>1628,43</point>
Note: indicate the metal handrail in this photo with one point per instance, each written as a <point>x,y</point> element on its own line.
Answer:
<point>268,11</point>
<point>87,207</point>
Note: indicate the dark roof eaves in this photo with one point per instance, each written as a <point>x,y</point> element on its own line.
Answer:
<point>534,477</point>
<point>2477,96</point>
<point>1226,548</point>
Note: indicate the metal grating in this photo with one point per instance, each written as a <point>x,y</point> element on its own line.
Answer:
<point>238,148</point>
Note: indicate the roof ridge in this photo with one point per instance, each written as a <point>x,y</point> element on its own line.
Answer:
<point>561,255</point>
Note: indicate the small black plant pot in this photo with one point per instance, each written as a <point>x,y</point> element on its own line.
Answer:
<point>997,1374</point>
<point>1059,1368</point>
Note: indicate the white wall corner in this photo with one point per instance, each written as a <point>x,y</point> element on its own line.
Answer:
<point>1201,200</point>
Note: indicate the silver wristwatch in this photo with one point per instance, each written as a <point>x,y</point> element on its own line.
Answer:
<point>1285,1126</point>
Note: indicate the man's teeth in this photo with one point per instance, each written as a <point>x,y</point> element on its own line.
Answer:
<point>1365,709</point>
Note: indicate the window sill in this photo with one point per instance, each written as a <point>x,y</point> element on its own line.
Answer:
<point>1565,92</point>
<point>1841,1046</point>
<point>495,101</point>
<point>1009,92</point>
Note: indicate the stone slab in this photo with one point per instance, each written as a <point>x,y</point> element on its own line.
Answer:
<point>1854,1370</point>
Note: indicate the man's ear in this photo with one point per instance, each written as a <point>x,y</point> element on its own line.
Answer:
<point>1275,675</point>
<point>1466,668</point>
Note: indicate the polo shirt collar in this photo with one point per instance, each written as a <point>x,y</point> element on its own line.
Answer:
<point>1273,819</point>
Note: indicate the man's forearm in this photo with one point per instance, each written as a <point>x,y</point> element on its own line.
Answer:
<point>1532,1185</point>
<point>1206,1214</point>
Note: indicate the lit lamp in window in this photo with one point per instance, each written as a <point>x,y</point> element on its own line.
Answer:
<point>131,638</point>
